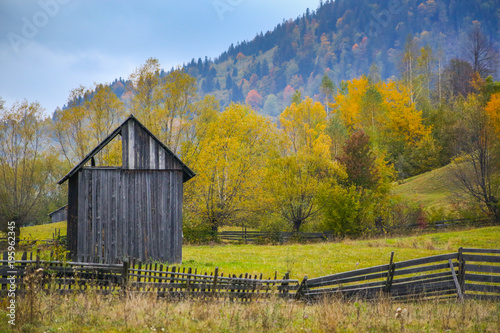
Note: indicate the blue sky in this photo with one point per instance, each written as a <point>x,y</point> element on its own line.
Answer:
<point>48,47</point>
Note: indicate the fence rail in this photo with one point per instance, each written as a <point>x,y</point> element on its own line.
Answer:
<point>245,236</point>
<point>469,273</point>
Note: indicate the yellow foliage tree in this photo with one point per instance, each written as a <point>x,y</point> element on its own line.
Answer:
<point>91,116</point>
<point>229,165</point>
<point>304,125</point>
<point>348,103</point>
<point>304,168</point>
<point>162,104</point>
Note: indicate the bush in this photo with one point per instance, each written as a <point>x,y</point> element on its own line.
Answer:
<point>197,232</point>
<point>199,235</point>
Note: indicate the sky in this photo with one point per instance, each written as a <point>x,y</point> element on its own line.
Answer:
<point>49,47</point>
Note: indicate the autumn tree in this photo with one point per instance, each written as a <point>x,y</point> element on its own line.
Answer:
<point>476,166</point>
<point>327,89</point>
<point>408,66</point>
<point>359,161</point>
<point>145,81</point>
<point>304,168</point>
<point>254,99</point>
<point>493,111</point>
<point>25,164</point>
<point>91,115</point>
<point>162,102</point>
<point>175,93</point>
<point>229,165</point>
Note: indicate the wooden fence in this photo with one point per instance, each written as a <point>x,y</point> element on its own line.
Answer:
<point>136,277</point>
<point>468,273</point>
<point>471,273</point>
<point>245,236</point>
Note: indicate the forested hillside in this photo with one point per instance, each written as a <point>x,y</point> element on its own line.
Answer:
<point>342,39</point>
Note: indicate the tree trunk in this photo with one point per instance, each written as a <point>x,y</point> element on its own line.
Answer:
<point>296,225</point>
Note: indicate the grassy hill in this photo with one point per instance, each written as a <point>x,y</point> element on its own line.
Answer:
<point>434,189</point>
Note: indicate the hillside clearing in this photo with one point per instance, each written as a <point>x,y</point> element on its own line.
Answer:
<point>434,189</point>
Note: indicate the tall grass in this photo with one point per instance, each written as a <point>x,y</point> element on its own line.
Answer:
<point>91,312</point>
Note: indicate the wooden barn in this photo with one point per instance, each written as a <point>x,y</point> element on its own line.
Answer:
<point>130,211</point>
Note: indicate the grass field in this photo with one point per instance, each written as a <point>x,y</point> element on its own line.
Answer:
<point>90,312</point>
<point>42,232</point>
<point>319,259</point>
<point>433,189</point>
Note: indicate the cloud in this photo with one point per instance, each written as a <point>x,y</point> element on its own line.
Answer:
<point>97,41</point>
<point>47,75</point>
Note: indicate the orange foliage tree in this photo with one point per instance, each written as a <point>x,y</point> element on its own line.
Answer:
<point>254,99</point>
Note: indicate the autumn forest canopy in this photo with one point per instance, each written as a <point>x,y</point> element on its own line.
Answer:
<point>308,127</point>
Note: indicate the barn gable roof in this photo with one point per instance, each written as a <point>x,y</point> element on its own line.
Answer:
<point>187,172</point>
<point>58,209</point>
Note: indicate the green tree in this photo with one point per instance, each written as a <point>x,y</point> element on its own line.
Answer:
<point>327,89</point>
<point>359,161</point>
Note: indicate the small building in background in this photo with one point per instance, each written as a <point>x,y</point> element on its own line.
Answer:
<point>130,211</point>
<point>60,214</point>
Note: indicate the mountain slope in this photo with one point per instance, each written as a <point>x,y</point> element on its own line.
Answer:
<point>343,39</point>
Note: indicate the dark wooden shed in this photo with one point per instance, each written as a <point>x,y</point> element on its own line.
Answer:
<point>59,214</point>
<point>130,211</point>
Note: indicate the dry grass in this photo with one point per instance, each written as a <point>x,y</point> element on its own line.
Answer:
<point>93,313</point>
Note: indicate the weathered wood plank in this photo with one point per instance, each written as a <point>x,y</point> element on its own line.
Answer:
<point>482,287</point>
<point>481,258</point>
<point>426,260</point>
<point>332,278</point>
<point>482,278</point>
<point>482,268</point>
<point>492,251</point>
<point>422,269</point>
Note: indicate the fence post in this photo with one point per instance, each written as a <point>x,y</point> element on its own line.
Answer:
<point>284,284</point>
<point>461,270</point>
<point>390,274</point>
<point>214,287</point>
<point>37,258</point>
<point>125,276</point>
<point>300,292</point>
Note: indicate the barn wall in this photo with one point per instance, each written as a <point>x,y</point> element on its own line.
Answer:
<point>136,213</point>
<point>72,224</point>
<point>141,151</point>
